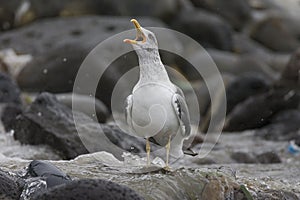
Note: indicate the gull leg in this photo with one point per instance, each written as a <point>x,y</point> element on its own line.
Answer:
<point>148,151</point>
<point>168,153</point>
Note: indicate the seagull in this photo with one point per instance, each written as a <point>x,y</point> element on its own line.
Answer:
<point>156,109</point>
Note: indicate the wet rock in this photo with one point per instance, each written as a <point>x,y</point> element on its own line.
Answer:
<point>236,12</point>
<point>263,108</point>
<point>243,87</point>
<point>49,122</point>
<point>271,31</point>
<point>10,189</point>
<point>90,189</point>
<point>50,173</point>
<point>207,29</point>
<point>9,91</point>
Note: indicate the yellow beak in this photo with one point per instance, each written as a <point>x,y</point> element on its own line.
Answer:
<point>140,36</point>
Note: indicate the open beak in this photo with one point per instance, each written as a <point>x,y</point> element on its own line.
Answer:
<point>140,36</point>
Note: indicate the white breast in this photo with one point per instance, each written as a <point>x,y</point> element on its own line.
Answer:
<point>153,113</point>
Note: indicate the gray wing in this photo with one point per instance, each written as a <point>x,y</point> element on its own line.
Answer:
<point>128,109</point>
<point>181,109</point>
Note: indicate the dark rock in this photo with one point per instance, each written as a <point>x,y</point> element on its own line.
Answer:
<point>45,9</point>
<point>9,115</point>
<point>257,111</point>
<point>160,9</point>
<point>243,157</point>
<point>49,122</point>
<point>268,157</point>
<point>208,29</point>
<point>249,157</point>
<point>7,13</point>
<point>243,87</point>
<point>290,76</point>
<point>90,189</point>
<point>236,12</point>
<point>284,126</point>
<point>271,31</point>
<point>9,91</point>
<point>127,142</point>
<point>52,175</point>
<point>10,188</point>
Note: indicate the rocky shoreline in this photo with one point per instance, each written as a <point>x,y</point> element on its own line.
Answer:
<point>86,150</point>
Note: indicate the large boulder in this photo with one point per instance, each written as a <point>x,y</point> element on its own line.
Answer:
<point>283,95</point>
<point>49,122</point>
<point>243,87</point>
<point>206,28</point>
<point>236,12</point>
<point>257,111</point>
<point>274,33</point>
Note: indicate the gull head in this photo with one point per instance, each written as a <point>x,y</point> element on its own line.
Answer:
<point>144,40</point>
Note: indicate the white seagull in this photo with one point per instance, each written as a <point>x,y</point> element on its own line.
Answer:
<point>156,108</point>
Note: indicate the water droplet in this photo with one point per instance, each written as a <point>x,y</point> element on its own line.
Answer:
<point>45,71</point>
<point>39,114</point>
<point>65,59</point>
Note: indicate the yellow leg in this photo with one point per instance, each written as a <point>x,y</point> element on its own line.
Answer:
<point>168,152</point>
<point>148,151</point>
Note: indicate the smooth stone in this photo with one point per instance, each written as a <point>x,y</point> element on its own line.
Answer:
<point>52,175</point>
<point>90,189</point>
<point>206,28</point>
<point>9,91</point>
<point>236,12</point>
<point>270,31</point>
<point>244,86</point>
